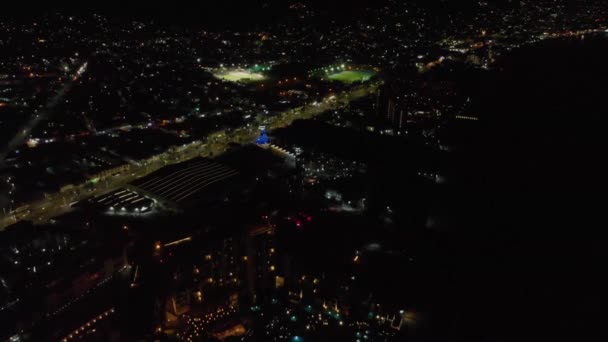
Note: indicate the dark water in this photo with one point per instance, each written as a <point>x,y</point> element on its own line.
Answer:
<point>527,216</point>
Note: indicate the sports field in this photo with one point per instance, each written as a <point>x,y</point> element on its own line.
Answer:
<point>239,76</point>
<point>351,76</point>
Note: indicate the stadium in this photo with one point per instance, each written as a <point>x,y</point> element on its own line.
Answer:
<point>344,73</point>
<point>242,75</point>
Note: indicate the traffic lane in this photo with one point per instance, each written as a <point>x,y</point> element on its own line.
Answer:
<point>282,120</point>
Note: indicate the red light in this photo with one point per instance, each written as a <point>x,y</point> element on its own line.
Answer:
<point>298,224</point>
<point>309,218</point>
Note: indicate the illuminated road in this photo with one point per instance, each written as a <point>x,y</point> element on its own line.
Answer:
<point>24,133</point>
<point>214,145</point>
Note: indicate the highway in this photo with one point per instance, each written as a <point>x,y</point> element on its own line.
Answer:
<point>215,144</point>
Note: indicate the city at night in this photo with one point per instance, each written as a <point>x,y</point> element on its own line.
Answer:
<point>301,171</point>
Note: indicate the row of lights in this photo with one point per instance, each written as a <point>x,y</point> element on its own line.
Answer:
<point>76,333</point>
<point>66,305</point>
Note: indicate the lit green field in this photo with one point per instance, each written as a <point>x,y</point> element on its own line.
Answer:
<point>239,76</point>
<point>351,76</point>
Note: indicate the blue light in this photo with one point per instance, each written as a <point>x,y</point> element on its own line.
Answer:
<point>297,339</point>
<point>263,138</point>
